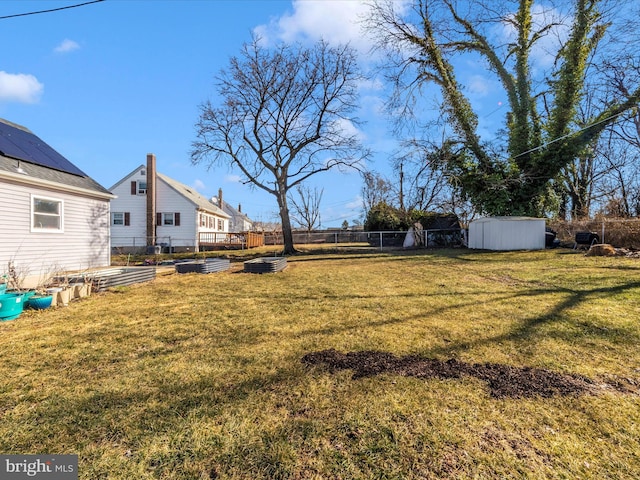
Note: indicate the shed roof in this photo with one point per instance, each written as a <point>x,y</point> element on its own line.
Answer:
<point>508,219</point>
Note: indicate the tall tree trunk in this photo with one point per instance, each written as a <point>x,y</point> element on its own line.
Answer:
<point>287,233</point>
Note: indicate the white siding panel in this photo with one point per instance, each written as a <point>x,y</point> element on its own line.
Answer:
<point>168,200</point>
<point>507,233</point>
<point>83,244</point>
<point>136,205</point>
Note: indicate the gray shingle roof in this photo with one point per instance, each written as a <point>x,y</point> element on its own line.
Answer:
<point>199,200</point>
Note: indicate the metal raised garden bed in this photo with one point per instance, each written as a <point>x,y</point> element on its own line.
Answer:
<point>115,277</point>
<point>211,265</point>
<point>265,265</point>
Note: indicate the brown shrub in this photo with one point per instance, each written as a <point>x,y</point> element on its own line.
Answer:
<point>601,250</point>
<point>620,233</point>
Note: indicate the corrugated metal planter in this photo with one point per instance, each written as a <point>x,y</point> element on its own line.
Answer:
<point>11,306</point>
<point>265,265</point>
<point>211,265</point>
<point>115,277</point>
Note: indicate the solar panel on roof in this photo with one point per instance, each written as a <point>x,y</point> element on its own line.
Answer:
<point>24,145</point>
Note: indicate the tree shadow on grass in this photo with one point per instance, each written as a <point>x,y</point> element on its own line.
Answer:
<point>526,330</point>
<point>502,380</point>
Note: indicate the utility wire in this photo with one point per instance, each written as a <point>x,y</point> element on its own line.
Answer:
<point>50,10</point>
<point>587,127</point>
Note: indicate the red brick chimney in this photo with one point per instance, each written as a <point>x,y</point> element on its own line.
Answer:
<point>220,204</point>
<point>151,199</point>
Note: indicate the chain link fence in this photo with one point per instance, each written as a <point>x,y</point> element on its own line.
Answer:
<point>344,238</point>
<point>386,239</point>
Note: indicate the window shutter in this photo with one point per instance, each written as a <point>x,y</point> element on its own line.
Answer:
<point>127,219</point>
<point>176,219</point>
<point>134,188</point>
<point>158,218</point>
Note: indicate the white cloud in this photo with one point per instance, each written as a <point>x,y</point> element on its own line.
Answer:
<point>337,21</point>
<point>66,46</point>
<point>478,85</point>
<point>355,204</point>
<point>543,52</point>
<point>199,185</point>
<point>20,87</point>
<point>232,178</point>
<point>348,129</point>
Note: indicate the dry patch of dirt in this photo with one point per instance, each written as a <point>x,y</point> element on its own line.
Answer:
<point>503,380</point>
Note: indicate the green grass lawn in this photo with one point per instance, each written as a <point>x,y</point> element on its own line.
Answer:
<point>201,376</point>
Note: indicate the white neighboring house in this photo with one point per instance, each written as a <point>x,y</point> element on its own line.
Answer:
<point>153,212</point>
<point>55,217</point>
<point>238,221</point>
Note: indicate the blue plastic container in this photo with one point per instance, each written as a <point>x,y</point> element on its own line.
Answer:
<point>3,288</point>
<point>40,302</point>
<point>11,306</point>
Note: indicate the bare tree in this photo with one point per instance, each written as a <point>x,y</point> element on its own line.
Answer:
<point>423,184</point>
<point>306,207</point>
<point>429,41</point>
<point>375,189</point>
<point>284,114</point>
<point>619,188</point>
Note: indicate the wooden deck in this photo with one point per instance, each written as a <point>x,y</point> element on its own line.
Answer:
<point>243,240</point>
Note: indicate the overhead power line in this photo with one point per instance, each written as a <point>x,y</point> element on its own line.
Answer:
<point>570,134</point>
<point>50,10</point>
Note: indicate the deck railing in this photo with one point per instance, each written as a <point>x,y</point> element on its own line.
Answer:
<point>238,240</point>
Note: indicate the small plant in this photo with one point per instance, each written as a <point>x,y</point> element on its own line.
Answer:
<point>15,276</point>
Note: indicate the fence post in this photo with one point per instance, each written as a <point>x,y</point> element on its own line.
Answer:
<point>380,241</point>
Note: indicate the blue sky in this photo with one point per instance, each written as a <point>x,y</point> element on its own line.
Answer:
<point>107,83</point>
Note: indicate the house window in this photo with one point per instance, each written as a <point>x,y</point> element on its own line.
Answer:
<point>138,187</point>
<point>121,218</point>
<point>46,214</point>
<point>220,224</point>
<point>168,219</point>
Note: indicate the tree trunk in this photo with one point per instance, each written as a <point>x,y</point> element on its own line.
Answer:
<point>287,234</point>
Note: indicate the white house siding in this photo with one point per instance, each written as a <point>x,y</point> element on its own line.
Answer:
<point>83,244</point>
<point>169,201</point>
<point>507,233</point>
<point>134,235</point>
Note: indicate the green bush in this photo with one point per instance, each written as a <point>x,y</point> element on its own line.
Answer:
<point>383,217</point>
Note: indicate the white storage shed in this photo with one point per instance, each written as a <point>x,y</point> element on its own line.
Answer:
<point>507,233</point>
